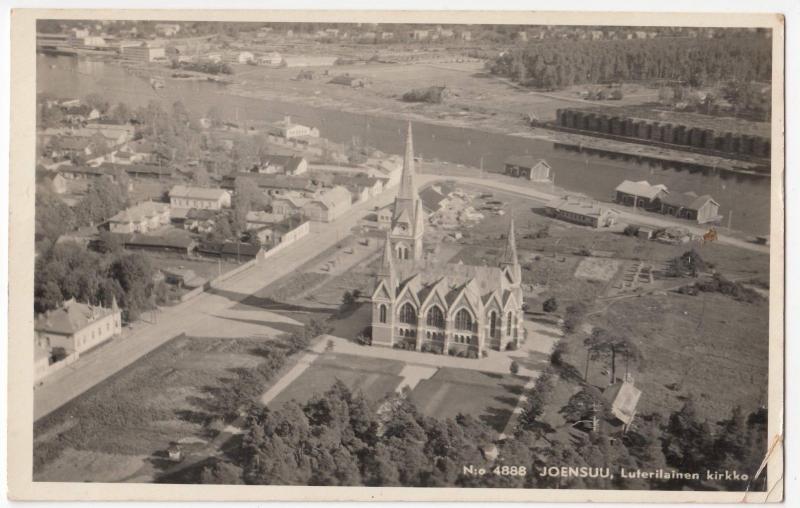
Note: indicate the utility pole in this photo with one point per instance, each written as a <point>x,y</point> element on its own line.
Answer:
<point>730,218</point>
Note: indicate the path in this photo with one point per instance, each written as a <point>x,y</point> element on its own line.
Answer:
<point>626,215</point>
<point>302,364</point>
<point>195,316</point>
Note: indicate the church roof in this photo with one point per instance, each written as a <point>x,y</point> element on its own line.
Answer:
<point>451,280</point>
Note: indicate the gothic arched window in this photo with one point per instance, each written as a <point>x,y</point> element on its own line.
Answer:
<point>493,324</point>
<point>382,313</point>
<point>508,325</point>
<point>463,320</point>
<point>407,314</point>
<point>435,317</point>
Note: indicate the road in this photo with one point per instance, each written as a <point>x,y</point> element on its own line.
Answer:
<point>626,215</point>
<point>195,316</point>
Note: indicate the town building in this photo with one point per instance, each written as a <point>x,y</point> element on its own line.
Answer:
<point>173,244</point>
<point>168,29</point>
<point>435,197</point>
<point>77,327</point>
<point>144,52</point>
<point>288,130</point>
<point>419,303</point>
<point>140,218</point>
<point>690,206</point>
<point>199,197</point>
<point>640,194</point>
<point>528,167</point>
<point>272,59</point>
<point>291,165</point>
<point>240,57</point>
<point>581,211</point>
<point>288,204</point>
<point>328,205</point>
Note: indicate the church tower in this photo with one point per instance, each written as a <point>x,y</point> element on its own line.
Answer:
<point>408,221</point>
<point>509,262</point>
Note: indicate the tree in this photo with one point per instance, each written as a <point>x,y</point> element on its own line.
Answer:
<point>514,367</point>
<point>96,101</point>
<point>601,344</point>
<point>200,177</point>
<point>221,473</point>
<point>550,305</point>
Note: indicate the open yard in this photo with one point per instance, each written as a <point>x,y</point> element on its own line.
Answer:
<point>374,377</point>
<point>709,346</point>
<point>118,431</point>
<point>437,392</point>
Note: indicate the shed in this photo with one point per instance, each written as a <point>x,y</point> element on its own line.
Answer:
<point>528,167</point>
<point>623,397</point>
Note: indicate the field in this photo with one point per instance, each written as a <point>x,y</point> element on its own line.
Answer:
<point>374,377</point>
<point>439,393</point>
<point>118,431</point>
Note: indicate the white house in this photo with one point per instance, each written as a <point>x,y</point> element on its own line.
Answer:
<point>199,197</point>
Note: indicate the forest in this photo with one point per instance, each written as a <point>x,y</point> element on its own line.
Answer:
<point>338,438</point>
<point>552,65</point>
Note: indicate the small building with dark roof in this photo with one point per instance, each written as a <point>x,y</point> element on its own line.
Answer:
<point>690,206</point>
<point>528,167</point>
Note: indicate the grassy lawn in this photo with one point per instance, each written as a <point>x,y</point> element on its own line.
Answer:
<point>374,377</point>
<point>485,396</point>
<point>708,346</point>
<point>167,395</point>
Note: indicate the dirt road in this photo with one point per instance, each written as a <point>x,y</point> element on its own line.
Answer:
<point>195,316</point>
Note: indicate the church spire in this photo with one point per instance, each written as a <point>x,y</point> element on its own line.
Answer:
<point>510,254</point>
<point>407,195</point>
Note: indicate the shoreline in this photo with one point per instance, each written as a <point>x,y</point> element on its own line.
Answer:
<point>623,149</point>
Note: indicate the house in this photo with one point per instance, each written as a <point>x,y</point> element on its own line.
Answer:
<point>78,327</point>
<point>273,59</point>
<point>329,205</point>
<point>167,29</point>
<point>274,185</point>
<point>451,308</point>
<point>199,197</point>
<point>581,211</point>
<point>433,198</point>
<point>286,205</point>
<point>73,146</point>
<point>80,114</point>
<point>288,130</point>
<point>640,194</point>
<point>528,167</point>
<point>360,184</point>
<point>145,170</point>
<point>418,35</point>
<point>240,57</point>
<point>622,398</point>
<point>113,134</point>
<point>689,205</point>
<point>236,251</point>
<point>291,165</point>
<point>175,244</point>
<point>140,218</point>
<point>144,52</point>
<point>256,220</point>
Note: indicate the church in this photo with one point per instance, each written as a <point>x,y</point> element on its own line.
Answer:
<point>449,308</point>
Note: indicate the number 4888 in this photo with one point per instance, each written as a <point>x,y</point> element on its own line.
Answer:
<point>510,470</point>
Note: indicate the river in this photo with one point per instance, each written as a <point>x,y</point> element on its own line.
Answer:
<point>747,197</point>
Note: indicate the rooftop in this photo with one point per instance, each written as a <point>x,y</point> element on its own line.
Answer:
<point>70,318</point>
<point>140,212</point>
<point>642,188</point>
<point>181,191</point>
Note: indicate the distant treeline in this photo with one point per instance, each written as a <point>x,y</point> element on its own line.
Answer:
<point>553,65</point>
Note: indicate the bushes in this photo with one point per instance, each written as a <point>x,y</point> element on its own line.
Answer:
<point>431,95</point>
<point>514,367</point>
<point>631,230</point>
<point>557,356</point>
<point>550,305</point>
<point>573,317</point>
